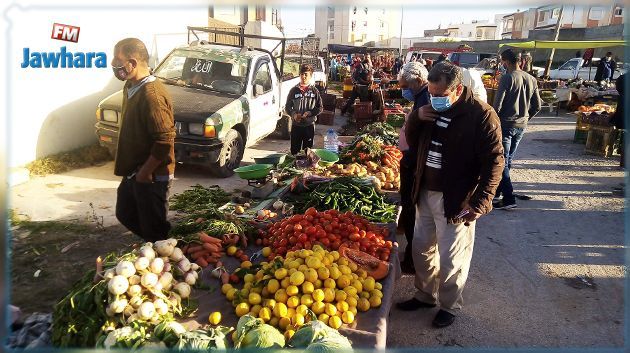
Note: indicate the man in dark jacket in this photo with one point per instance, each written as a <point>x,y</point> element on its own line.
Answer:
<point>361,79</point>
<point>517,100</point>
<point>304,104</point>
<point>618,119</point>
<point>606,68</point>
<point>460,159</point>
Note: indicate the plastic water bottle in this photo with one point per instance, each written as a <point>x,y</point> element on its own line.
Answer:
<point>331,142</point>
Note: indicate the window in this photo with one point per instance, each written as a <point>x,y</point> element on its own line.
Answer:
<point>354,10</point>
<point>380,37</point>
<point>331,35</point>
<point>510,23</point>
<point>382,24</point>
<point>331,12</point>
<point>596,14</point>
<point>618,11</point>
<point>555,13</point>
<point>364,23</point>
<point>479,33</point>
<point>263,77</point>
<point>260,13</point>
<point>363,37</point>
<point>518,25</point>
<point>542,17</point>
<point>365,9</point>
<point>354,24</point>
<point>569,65</point>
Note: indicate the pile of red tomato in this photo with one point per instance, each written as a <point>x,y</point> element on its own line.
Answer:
<point>331,229</point>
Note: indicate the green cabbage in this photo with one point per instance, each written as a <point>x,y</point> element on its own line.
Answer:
<point>253,332</point>
<point>330,344</point>
<point>316,336</point>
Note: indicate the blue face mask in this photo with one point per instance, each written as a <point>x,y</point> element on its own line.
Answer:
<point>408,94</point>
<point>440,104</point>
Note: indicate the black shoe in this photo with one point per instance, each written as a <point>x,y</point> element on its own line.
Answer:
<point>443,319</point>
<point>502,205</point>
<point>522,197</point>
<point>413,304</point>
<point>407,267</point>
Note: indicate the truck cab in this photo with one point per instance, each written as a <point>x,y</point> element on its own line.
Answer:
<point>575,68</point>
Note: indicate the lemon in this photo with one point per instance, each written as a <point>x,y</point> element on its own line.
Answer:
<point>281,296</point>
<point>325,261</point>
<point>323,317</point>
<point>307,300</point>
<point>293,302</point>
<point>246,264</point>
<point>297,278</point>
<point>318,295</point>
<point>363,304</point>
<point>347,317</point>
<point>288,334</point>
<point>378,286</point>
<point>345,270</point>
<point>255,309</point>
<point>340,295</point>
<point>256,290</point>
<point>365,295</point>
<point>313,262</point>
<point>350,290</point>
<point>292,290</point>
<point>311,275</point>
<point>353,266</point>
<point>302,310</point>
<point>329,295</point>
<point>343,306</point>
<point>352,301</point>
<point>298,320</point>
<point>231,294</point>
<point>375,301</point>
<point>254,298</point>
<point>214,318</point>
<point>334,322</point>
<point>265,314</point>
<point>280,310</point>
<point>280,273</point>
<point>369,284</point>
<point>361,273</point>
<point>330,283</point>
<point>274,321</point>
<point>285,282</point>
<point>357,285</point>
<point>259,275</point>
<point>302,268</point>
<point>231,250</point>
<point>225,288</point>
<point>266,251</point>
<point>353,310</point>
<point>292,271</point>
<point>330,258</point>
<point>318,283</point>
<point>323,273</point>
<point>307,287</point>
<point>289,255</point>
<point>244,292</point>
<point>248,278</point>
<point>376,293</point>
<point>330,309</point>
<point>242,309</point>
<point>290,312</point>
<point>247,286</point>
<point>269,303</point>
<point>265,293</point>
<point>318,308</point>
<point>335,254</point>
<point>334,273</point>
<point>300,261</point>
<point>292,264</point>
<point>273,285</point>
<point>354,276</point>
<point>343,281</point>
<point>317,247</point>
<point>284,322</point>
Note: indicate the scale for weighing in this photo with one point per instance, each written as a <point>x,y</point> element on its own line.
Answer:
<point>261,188</point>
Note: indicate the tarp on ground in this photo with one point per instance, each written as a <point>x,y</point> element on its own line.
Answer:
<point>565,44</point>
<point>351,49</point>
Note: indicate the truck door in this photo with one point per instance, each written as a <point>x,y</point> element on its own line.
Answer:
<point>265,102</point>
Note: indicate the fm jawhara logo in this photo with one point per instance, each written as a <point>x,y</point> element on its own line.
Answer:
<point>63,58</point>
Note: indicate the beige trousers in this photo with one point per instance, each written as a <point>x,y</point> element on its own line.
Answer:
<point>441,253</point>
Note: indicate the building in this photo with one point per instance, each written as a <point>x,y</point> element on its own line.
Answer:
<point>239,15</point>
<point>355,25</point>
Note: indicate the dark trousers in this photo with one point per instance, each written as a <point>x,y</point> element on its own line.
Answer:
<point>301,138</point>
<point>408,214</point>
<point>511,139</point>
<point>360,92</point>
<point>142,208</point>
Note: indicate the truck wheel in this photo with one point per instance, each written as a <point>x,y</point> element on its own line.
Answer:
<point>285,127</point>
<point>230,156</point>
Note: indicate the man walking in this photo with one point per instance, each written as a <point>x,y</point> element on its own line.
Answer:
<point>145,158</point>
<point>517,100</point>
<point>413,82</point>
<point>361,79</point>
<point>460,159</point>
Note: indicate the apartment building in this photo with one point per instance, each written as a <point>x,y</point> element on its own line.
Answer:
<point>355,25</point>
<point>239,15</point>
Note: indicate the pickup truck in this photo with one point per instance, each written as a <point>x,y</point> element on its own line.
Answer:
<point>574,68</point>
<point>225,98</point>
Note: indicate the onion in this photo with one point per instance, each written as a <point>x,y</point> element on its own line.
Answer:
<point>167,267</point>
<point>166,280</point>
<point>160,306</point>
<point>194,267</point>
<point>135,302</point>
<point>142,263</point>
<point>156,265</point>
<point>118,285</point>
<point>149,280</point>
<point>172,241</point>
<point>164,247</point>
<point>129,310</point>
<point>174,298</point>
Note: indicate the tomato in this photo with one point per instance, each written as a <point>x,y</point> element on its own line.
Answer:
<point>277,233</point>
<point>288,228</point>
<point>328,228</point>
<point>350,228</point>
<point>310,230</point>
<point>335,244</point>
<point>321,234</point>
<point>305,223</point>
<point>309,218</point>
<point>371,237</point>
<point>334,224</point>
<point>259,242</point>
<point>331,237</point>
<point>302,238</point>
<point>297,218</point>
<point>326,242</point>
<point>293,239</point>
<point>389,244</point>
<point>354,236</point>
<point>281,251</point>
<point>311,211</point>
<point>308,245</point>
<point>265,242</point>
<point>283,242</point>
<point>372,249</point>
<point>297,227</point>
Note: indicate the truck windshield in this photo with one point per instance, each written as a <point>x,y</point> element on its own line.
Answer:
<point>214,70</point>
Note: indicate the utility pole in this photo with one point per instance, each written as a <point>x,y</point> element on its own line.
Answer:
<point>401,27</point>
<point>555,38</point>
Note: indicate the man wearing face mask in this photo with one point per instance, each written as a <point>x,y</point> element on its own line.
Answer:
<point>413,82</point>
<point>459,164</point>
<point>517,100</point>
<point>145,158</point>
<point>606,68</point>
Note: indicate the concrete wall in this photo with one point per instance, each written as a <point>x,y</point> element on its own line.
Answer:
<point>51,110</point>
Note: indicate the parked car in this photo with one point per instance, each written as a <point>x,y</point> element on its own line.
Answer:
<point>422,54</point>
<point>574,68</point>
<point>489,66</point>
<point>468,59</point>
<point>225,98</point>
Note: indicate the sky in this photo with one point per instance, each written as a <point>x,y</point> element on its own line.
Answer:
<point>301,20</point>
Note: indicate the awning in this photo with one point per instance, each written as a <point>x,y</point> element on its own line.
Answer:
<point>350,49</point>
<point>565,44</point>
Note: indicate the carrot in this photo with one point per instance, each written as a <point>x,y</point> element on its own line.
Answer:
<point>199,254</point>
<point>210,247</point>
<point>201,262</point>
<point>199,220</point>
<point>208,239</point>
<point>225,278</point>
<point>194,249</point>
<point>211,260</point>
<point>244,242</point>
<point>185,249</point>
<point>216,254</point>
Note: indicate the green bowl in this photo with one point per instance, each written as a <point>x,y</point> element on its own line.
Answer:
<point>327,158</point>
<point>254,171</point>
<point>275,159</point>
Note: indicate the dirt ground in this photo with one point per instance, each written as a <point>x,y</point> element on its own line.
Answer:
<point>547,274</point>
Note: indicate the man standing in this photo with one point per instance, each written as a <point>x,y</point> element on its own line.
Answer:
<point>361,79</point>
<point>460,159</point>
<point>517,100</point>
<point>413,82</point>
<point>606,68</point>
<point>304,104</point>
<point>145,158</point>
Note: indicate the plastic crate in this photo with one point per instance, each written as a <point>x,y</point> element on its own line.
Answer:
<point>580,136</point>
<point>363,110</point>
<point>326,118</point>
<point>340,103</point>
<point>328,100</point>
<point>347,94</point>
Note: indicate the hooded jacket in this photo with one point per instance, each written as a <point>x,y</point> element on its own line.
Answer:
<point>472,159</point>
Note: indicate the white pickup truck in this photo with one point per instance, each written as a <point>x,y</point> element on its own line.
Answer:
<point>574,68</point>
<point>225,98</point>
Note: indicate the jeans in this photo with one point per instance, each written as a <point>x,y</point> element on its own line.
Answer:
<point>511,138</point>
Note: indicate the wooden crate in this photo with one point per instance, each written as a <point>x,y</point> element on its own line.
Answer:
<point>340,103</point>
<point>347,94</point>
<point>326,118</point>
<point>328,100</point>
<point>601,140</point>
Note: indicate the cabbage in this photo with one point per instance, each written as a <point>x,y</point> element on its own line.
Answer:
<point>316,336</point>
<point>253,332</point>
<point>212,338</point>
<point>330,344</point>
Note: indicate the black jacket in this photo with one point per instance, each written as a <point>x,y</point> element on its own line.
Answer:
<point>298,102</point>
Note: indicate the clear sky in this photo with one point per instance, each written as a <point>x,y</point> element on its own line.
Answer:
<point>416,18</point>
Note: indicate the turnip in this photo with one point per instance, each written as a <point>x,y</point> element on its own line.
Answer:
<point>184,265</point>
<point>183,289</point>
<point>146,311</point>
<point>147,251</point>
<point>134,290</point>
<point>160,306</point>
<point>194,267</point>
<point>149,280</point>
<point>158,287</point>
<point>155,319</point>
<point>133,280</point>
<point>167,267</point>
<point>194,273</point>
<point>132,318</point>
<point>142,263</point>
<point>118,285</point>
<point>125,269</point>
<point>156,265</point>
<point>118,306</point>
<point>135,302</point>
<point>189,278</point>
<point>109,312</point>
<point>175,299</point>
<point>164,247</point>
<point>129,310</point>
<point>172,241</point>
<point>166,280</point>
<point>176,255</point>
<point>109,274</point>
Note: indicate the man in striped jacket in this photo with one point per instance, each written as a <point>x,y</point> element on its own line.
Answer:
<point>304,104</point>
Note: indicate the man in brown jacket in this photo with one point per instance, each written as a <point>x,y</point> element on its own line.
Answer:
<point>460,161</point>
<point>145,157</point>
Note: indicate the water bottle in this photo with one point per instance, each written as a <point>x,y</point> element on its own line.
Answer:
<point>331,142</point>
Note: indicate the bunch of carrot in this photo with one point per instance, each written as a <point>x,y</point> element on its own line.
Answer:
<point>208,250</point>
<point>391,157</point>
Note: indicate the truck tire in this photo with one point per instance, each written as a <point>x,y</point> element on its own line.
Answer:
<point>285,127</point>
<point>230,156</point>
